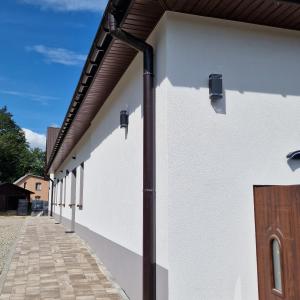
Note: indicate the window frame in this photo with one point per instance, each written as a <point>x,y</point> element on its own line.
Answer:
<point>81,185</point>
<point>73,186</point>
<point>65,188</point>
<point>54,194</point>
<point>36,186</point>
<point>275,291</point>
<point>61,192</point>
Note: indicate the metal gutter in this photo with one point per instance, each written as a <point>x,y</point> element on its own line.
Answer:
<point>149,214</point>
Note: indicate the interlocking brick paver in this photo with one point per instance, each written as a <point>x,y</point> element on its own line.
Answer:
<point>51,264</point>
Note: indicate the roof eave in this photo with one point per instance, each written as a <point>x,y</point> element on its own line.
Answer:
<point>92,64</point>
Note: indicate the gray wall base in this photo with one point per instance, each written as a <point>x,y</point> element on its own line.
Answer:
<point>124,265</point>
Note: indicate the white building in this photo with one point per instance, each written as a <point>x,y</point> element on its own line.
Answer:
<point>214,157</point>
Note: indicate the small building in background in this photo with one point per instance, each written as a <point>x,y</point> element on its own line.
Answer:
<point>36,184</point>
<point>10,195</point>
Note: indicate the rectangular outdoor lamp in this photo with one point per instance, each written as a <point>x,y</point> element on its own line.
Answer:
<point>215,86</point>
<point>124,119</point>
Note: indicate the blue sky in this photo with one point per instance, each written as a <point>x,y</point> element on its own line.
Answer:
<point>44,44</point>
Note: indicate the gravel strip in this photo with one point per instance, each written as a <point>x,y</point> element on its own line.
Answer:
<point>9,230</point>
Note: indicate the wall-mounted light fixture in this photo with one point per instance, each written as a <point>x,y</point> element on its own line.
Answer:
<point>215,86</point>
<point>294,155</point>
<point>124,119</point>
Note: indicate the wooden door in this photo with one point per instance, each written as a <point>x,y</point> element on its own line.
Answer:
<point>277,214</point>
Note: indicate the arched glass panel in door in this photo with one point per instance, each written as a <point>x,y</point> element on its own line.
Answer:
<point>276,265</point>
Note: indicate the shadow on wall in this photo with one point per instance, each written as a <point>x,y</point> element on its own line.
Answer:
<point>294,164</point>
<point>250,58</point>
<point>244,55</point>
<point>219,105</point>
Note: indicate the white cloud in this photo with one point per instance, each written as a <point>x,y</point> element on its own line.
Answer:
<point>34,139</point>
<point>59,55</point>
<point>69,5</point>
<point>35,97</point>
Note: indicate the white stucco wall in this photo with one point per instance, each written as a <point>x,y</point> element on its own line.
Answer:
<point>113,174</point>
<point>209,155</point>
<point>111,206</point>
<point>217,152</point>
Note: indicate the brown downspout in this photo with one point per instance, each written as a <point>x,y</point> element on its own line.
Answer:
<point>149,230</point>
<point>52,195</point>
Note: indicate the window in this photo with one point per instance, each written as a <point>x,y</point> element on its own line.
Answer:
<point>38,186</point>
<point>81,182</point>
<point>73,187</point>
<point>276,265</point>
<point>53,193</point>
<point>25,183</point>
<point>64,190</point>
<point>61,192</point>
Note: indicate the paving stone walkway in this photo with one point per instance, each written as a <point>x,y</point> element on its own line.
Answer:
<point>51,264</point>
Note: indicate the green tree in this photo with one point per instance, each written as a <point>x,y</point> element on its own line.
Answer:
<point>36,162</point>
<point>13,147</point>
<point>16,157</point>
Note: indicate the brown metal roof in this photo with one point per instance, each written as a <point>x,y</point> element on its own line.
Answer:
<point>108,58</point>
<point>29,175</point>
<point>7,187</point>
<point>52,134</point>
